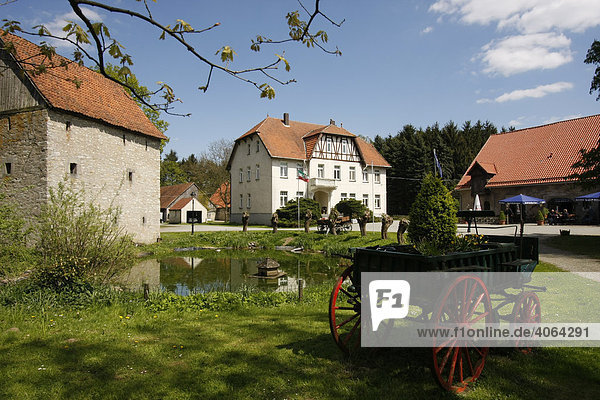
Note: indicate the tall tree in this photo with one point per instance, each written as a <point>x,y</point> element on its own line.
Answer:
<point>588,165</point>
<point>94,43</point>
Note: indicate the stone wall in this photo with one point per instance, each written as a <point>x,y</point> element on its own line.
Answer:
<point>23,147</point>
<point>114,167</point>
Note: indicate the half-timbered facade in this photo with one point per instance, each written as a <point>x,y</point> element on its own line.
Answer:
<point>334,165</point>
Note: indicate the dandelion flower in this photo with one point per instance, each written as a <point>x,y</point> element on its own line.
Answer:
<point>120,316</point>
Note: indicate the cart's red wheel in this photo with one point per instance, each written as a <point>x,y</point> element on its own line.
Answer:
<point>527,310</point>
<point>344,313</point>
<point>465,301</point>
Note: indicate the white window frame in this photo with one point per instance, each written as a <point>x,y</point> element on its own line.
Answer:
<point>321,171</point>
<point>352,174</point>
<point>377,177</point>
<point>257,172</point>
<point>352,196</point>
<point>365,175</point>
<point>248,174</point>
<point>377,201</point>
<point>283,198</point>
<point>299,194</point>
<point>249,201</point>
<point>241,175</point>
<point>257,146</point>
<point>329,143</point>
<point>337,172</point>
<point>343,196</point>
<point>283,170</point>
<point>365,200</point>
<point>344,146</point>
<point>241,200</point>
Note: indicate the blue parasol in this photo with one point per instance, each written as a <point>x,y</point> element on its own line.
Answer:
<point>522,200</point>
<point>589,197</point>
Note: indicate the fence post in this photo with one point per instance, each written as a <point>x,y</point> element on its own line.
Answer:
<point>300,289</point>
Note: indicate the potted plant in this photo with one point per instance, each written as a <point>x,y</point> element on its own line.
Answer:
<point>540,218</point>
<point>502,218</point>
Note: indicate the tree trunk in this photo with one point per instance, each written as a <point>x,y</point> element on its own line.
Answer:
<point>362,222</point>
<point>307,219</point>
<point>274,222</point>
<point>386,221</point>
<point>333,216</point>
<point>245,218</point>
<point>402,227</point>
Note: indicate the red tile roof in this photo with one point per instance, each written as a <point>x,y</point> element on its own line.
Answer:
<point>542,154</point>
<point>297,140</point>
<point>168,194</point>
<point>180,203</point>
<point>97,97</point>
<point>217,196</point>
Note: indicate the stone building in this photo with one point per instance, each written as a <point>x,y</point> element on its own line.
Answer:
<point>535,162</point>
<point>70,123</point>
<point>334,164</point>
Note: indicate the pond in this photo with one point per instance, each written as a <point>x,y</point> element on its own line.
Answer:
<point>209,270</point>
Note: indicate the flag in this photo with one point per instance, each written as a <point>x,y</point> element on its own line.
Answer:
<point>437,164</point>
<point>302,176</point>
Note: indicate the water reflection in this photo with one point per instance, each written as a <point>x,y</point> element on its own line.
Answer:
<point>210,271</point>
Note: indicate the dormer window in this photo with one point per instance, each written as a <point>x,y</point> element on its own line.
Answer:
<point>344,146</point>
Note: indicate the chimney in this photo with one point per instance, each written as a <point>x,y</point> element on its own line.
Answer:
<point>286,119</point>
<point>331,122</point>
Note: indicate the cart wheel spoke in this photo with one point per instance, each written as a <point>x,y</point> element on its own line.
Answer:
<point>465,300</point>
<point>527,309</point>
<point>344,320</point>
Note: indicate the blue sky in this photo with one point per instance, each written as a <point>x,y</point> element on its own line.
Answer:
<point>512,62</point>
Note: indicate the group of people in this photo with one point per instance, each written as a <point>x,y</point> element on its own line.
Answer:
<point>555,217</point>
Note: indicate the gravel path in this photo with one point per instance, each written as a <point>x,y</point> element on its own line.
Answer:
<point>580,265</point>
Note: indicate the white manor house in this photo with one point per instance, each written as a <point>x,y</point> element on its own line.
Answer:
<point>267,162</point>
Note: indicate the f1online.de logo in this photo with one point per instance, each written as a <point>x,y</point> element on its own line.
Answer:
<point>388,299</point>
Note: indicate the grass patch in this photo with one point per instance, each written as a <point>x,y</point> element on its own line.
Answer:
<point>331,244</point>
<point>126,349</point>
<point>576,244</point>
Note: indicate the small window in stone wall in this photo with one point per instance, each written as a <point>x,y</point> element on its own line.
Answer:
<point>9,124</point>
<point>123,139</point>
<point>130,175</point>
<point>73,169</point>
<point>8,168</point>
<point>144,220</point>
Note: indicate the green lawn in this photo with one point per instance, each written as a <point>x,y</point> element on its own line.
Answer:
<point>582,245</point>
<point>129,350</point>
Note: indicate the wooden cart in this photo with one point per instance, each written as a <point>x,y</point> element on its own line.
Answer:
<point>342,224</point>
<point>454,367</point>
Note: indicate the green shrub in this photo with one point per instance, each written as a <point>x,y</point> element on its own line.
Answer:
<point>502,216</point>
<point>15,256</point>
<point>288,215</point>
<point>433,215</point>
<point>351,208</point>
<point>539,216</point>
<point>79,241</point>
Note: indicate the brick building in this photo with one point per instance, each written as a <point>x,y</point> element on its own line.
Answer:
<point>533,161</point>
<point>72,123</point>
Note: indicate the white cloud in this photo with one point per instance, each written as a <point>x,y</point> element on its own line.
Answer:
<point>536,93</point>
<point>529,23</point>
<point>516,122</point>
<point>566,117</point>
<point>526,16</point>
<point>516,54</point>
<point>55,26</point>
<point>427,30</point>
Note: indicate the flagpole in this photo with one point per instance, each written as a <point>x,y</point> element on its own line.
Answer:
<point>298,199</point>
